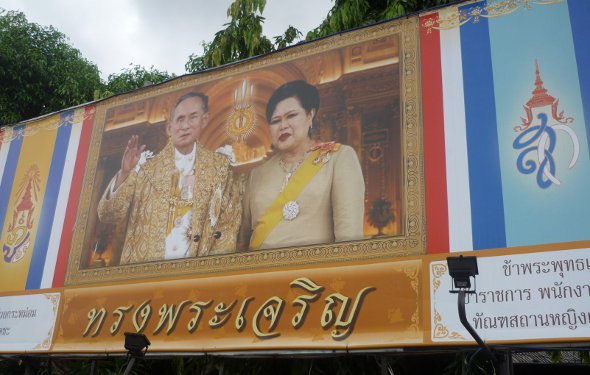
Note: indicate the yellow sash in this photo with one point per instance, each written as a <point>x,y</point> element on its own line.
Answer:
<point>274,213</point>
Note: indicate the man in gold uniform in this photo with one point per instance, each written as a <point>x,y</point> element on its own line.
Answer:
<point>183,202</point>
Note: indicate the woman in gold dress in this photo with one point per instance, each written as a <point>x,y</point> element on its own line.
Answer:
<point>308,192</point>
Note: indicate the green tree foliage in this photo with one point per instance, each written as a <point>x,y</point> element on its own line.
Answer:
<point>39,71</point>
<point>348,14</point>
<point>290,35</point>
<point>241,38</point>
<point>132,78</point>
<point>196,63</point>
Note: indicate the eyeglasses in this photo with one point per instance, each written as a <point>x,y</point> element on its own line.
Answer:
<point>192,119</point>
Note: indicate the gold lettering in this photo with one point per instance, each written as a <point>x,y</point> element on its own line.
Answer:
<point>93,316</point>
<point>198,308</point>
<point>304,300</point>
<point>167,314</point>
<point>145,312</point>
<point>270,312</point>
<point>221,309</point>
<point>343,327</point>
<point>120,312</point>
<point>240,321</point>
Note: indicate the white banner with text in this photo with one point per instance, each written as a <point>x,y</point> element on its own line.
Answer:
<point>543,295</point>
<point>27,321</point>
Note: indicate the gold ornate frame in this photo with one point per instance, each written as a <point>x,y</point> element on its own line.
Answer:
<point>410,242</point>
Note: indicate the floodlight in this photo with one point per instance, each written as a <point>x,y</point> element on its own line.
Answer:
<point>136,343</point>
<point>462,269</point>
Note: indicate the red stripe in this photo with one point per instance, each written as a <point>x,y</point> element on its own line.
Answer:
<point>437,214</point>
<point>75,189</point>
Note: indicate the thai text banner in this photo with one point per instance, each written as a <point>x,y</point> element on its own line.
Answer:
<point>518,297</point>
<point>27,321</point>
<point>340,307</point>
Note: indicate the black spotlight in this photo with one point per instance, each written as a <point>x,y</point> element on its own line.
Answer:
<point>462,269</point>
<point>136,345</point>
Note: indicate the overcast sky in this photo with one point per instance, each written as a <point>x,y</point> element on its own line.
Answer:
<point>115,33</point>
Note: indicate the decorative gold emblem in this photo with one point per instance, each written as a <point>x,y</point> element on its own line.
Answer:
<point>241,122</point>
<point>325,149</point>
<point>20,226</point>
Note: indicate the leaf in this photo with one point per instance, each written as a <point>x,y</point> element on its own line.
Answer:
<point>41,71</point>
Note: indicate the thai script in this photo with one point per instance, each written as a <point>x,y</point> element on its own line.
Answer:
<point>499,296</point>
<point>547,162</point>
<point>558,266</point>
<point>17,243</point>
<point>18,314</point>
<point>560,291</point>
<point>339,313</point>
<point>557,291</point>
<point>570,318</point>
<point>538,142</point>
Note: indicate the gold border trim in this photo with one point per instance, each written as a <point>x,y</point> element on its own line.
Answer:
<point>438,329</point>
<point>411,242</point>
<point>51,122</point>
<point>489,9</point>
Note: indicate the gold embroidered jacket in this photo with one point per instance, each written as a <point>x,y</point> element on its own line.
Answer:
<point>143,200</point>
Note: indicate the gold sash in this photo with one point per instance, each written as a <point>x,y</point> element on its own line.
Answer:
<point>274,214</point>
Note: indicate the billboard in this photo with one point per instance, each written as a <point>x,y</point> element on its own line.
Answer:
<point>307,199</point>
<point>353,190</point>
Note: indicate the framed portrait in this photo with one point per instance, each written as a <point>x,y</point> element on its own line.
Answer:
<point>369,90</point>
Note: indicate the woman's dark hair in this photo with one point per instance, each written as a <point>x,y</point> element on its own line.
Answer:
<point>307,95</point>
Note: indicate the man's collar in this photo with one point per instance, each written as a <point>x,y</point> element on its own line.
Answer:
<point>191,155</point>
<point>185,163</point>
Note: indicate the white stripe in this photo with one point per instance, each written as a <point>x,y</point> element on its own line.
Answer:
<point>460,234</point>
<point>62,203</point>
<point>4,154</point>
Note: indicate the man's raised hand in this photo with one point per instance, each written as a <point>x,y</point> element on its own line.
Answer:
<point>129,161</point>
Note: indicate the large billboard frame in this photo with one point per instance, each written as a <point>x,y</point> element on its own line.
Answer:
<point>410,240</point>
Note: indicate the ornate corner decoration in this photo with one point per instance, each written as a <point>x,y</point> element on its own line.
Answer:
<point>489,9</point>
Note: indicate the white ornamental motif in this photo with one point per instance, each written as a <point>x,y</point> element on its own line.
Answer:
<point>290,210</point>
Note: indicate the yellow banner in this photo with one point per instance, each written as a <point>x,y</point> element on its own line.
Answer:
<point>354,306</point>
<point>26,200</point>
